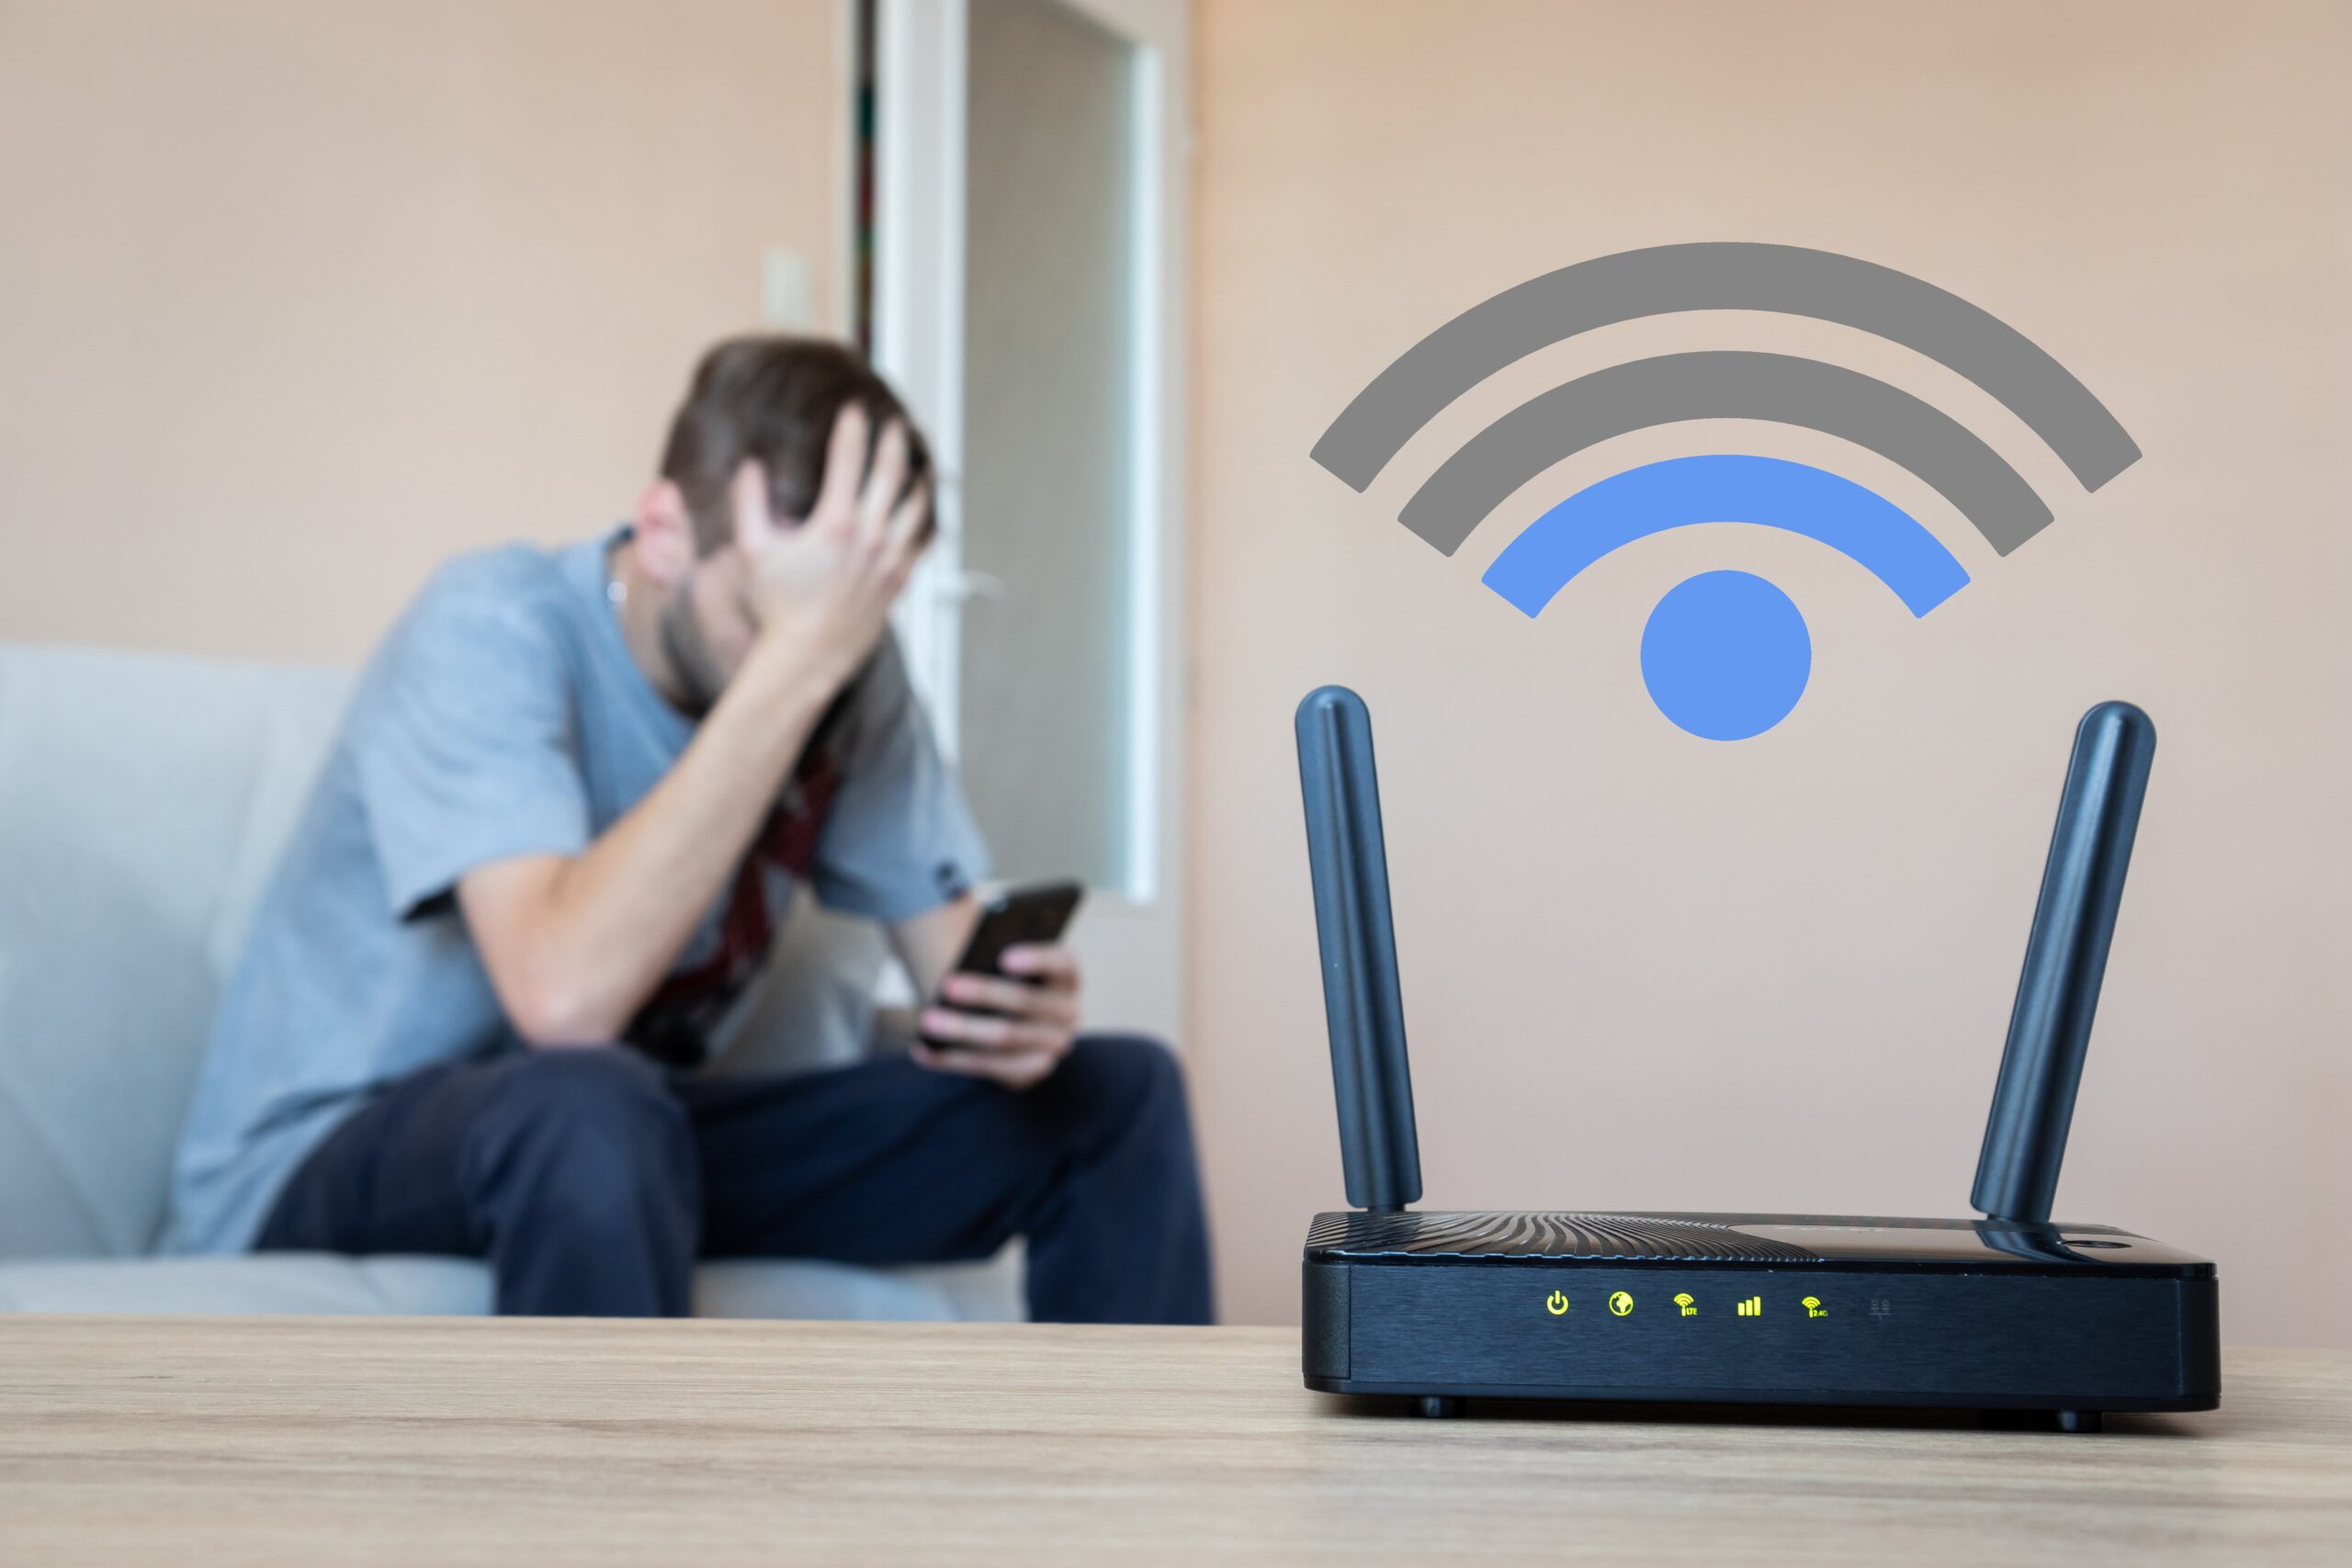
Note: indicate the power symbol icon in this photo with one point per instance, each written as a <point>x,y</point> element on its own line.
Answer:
<point>1556,1303</point>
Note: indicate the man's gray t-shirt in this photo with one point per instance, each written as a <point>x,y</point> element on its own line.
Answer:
<point>503,716</point>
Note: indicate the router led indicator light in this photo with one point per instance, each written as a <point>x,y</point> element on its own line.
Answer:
<point>1556,1303</point>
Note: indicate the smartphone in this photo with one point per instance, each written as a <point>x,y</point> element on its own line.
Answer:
<point>1038,911</point>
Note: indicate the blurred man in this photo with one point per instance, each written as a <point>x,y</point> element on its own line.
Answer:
<point>573,793</point>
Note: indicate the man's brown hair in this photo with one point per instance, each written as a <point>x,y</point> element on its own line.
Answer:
<point>773,399</point>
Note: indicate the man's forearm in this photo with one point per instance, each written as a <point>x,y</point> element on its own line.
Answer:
<point>929,943</point>
<point>575,945</point>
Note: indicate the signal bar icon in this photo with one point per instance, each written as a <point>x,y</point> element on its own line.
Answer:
<point>1752,1307</point>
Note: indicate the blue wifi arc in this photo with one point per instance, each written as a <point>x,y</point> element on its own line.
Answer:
<point>1725,655</point>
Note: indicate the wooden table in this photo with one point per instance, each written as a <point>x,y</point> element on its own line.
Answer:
<point>130,1441</point>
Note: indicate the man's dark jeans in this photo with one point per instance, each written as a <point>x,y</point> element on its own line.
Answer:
<point>592,1181</point>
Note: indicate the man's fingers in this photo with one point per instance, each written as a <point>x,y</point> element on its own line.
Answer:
<point>1019,997</point>
<point>910,524</point>
<point>993,1034</point>
<point>1054,962</point>
<point>845,467</point>
<point>1013,1071</point>
<point>883,485</point>
<point>749,493</point>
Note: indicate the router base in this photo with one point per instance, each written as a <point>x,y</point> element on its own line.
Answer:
<point>1759,1309</point>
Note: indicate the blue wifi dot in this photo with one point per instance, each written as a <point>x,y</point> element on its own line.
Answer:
<point>1725,655</point>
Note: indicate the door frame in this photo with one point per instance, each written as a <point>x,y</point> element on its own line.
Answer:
<point>1132,937</point>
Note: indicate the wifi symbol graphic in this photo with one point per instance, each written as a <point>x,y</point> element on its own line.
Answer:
<point>1725,654</point>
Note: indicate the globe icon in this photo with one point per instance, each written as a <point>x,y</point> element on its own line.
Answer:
<point>1621,1302</point>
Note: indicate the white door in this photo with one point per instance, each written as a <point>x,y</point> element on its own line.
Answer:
<point>1028,242</point>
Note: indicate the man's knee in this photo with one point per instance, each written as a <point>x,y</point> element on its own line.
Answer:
<point>581,1129</point>
<point>1128,1080</point>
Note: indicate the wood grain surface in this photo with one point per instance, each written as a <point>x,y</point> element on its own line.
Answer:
<point>199,1441</point>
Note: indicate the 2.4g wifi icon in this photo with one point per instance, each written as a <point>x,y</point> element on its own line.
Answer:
<point>1725,654</point>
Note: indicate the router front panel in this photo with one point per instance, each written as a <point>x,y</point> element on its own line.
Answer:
<point>1737,1332</point>
<point>1776,1308</point>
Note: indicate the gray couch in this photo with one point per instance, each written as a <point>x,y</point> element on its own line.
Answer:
<point>142,802</point>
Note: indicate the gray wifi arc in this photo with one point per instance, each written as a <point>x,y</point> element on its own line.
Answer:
<point>1726,275</point>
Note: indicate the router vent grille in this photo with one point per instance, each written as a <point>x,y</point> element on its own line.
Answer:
<point>1542,1234</point>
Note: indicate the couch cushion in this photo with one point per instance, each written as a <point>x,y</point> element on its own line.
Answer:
<point>986,1291</point>
<point>282,1282</point>
<point>319,1282</point>
<point>142,803</point>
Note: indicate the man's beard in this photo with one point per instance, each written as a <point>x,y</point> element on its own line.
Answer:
<point>691,668</point>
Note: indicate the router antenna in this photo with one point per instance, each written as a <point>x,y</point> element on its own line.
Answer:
<point>2049,1028</point>
<point>1379,1151</point>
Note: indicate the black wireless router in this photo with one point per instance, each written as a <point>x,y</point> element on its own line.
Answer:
<point>2009,1312</point>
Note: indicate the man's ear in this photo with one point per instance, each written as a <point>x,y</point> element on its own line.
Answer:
<point>665,533</point>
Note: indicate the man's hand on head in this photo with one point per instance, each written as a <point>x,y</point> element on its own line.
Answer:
<point>575,944</point>
<point>1038,1003</point>
<point>821,587</point>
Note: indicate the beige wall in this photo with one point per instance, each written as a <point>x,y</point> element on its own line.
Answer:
<point>1641,969</point>
<point>298,299</point>
<point>295,299</point>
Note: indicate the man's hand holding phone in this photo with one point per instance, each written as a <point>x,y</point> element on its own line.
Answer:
<point>1029,1021</point>
<point>1009,1009</point>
